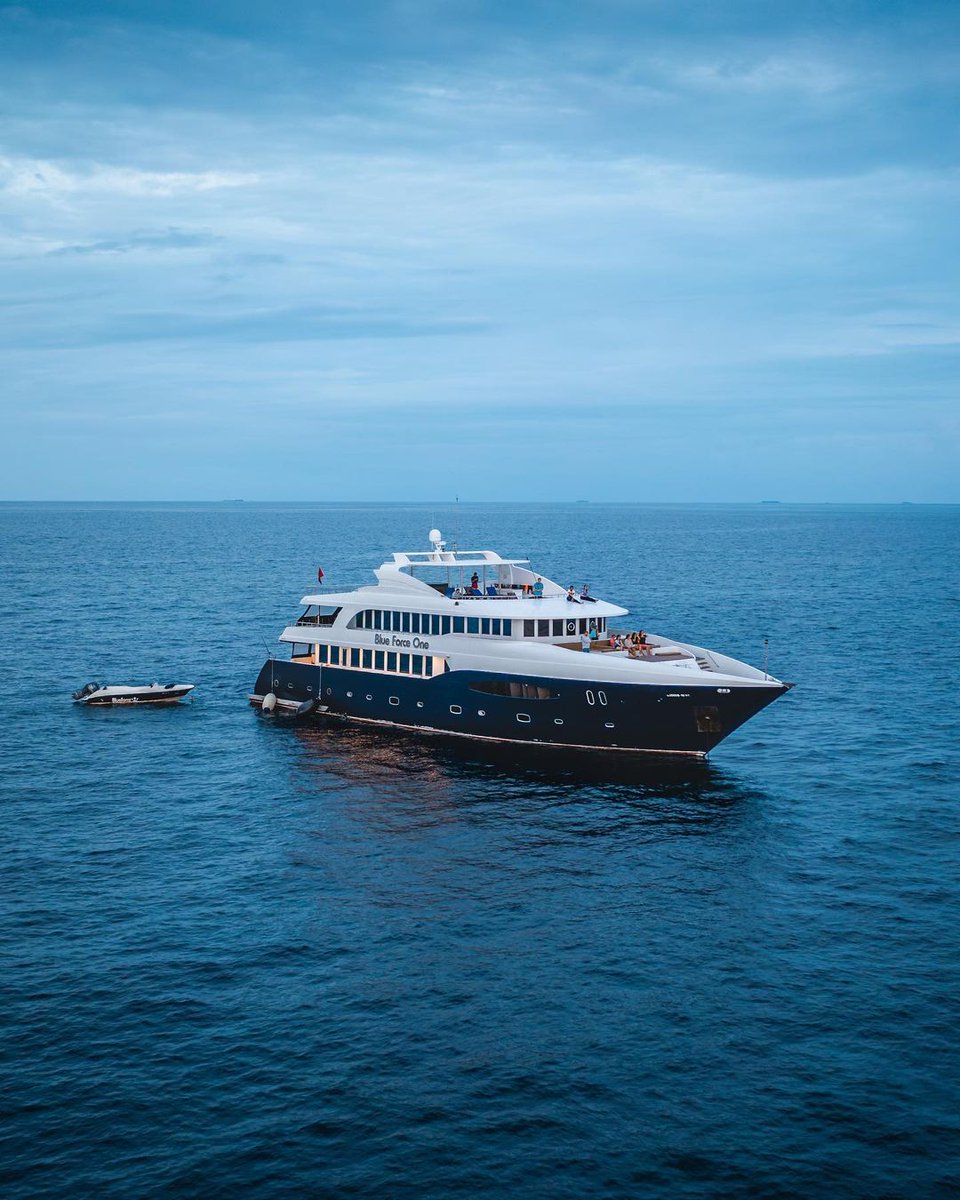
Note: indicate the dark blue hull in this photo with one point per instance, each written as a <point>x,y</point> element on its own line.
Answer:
<point>578,713</point>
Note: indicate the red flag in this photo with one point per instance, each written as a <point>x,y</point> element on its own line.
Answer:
<point>319,574</point>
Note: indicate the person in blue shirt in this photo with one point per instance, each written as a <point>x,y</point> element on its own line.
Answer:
<point>538,589</point>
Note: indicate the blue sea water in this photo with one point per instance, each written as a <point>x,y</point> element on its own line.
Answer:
<point>244,957</point>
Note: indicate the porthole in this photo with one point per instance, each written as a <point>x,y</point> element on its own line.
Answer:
<point>394,700</point>
<point>602,697</point>
<point>557,721</point>
<point>350,695</point>
<point>329,691</point>
<point>310,689</point>
<point>369,697</point>
<point>289,687</point>
<point>523,718</point>
<point>481,712</point>
<point>456,709</point>
<point>276,683</point>
<point>419,704</point>
<point>590,699</point>
<point>608,725</point>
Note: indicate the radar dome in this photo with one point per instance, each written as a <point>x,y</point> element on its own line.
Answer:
<point>435,536</point>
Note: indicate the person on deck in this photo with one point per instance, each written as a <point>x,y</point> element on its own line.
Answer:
<point>585,642</point>
<point>585,594</point>
<point>538,589</point>
<point>475,582</point>
<point>572,595</point>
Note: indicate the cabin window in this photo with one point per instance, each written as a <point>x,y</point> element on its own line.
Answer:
<point>523,718</point>
<point>404,664</point>
<point>708,719</point>
<point>458,624</point>
<point>414,622</point>
<point>367,661</point>
<point>495,627</point>
<point>513,687</point>
<point>300,650</point>
<point>543,629</point>
<point>445,625</point>
<point>391,661</point>
<point>354,657</point>
<point>473,625</point>
<point>416,661</point>
<point>323,654</point>
<point>584,625</point>
<point>378,660</point>
<point>428,666</point>
<point>508,628</point>
<point>405,622</point>
<point>529,629</point>
<point>435,625</point>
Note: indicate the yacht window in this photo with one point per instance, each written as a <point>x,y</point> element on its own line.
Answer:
<point>367,662</point>
<point>378,660</point>
<point>397,622</point>
<point>414,622</point>
<point>584,625</point>
<point>495,627</point>
<point>485,625</point>
<point>428,666</point>
<point>323,654</point>
<point>416,661</point>
<point>405,622</point>
<point>529,629</point>
<point>435,626</point>
<point>394,700</point>
<point>508,628</point>
<point>602,625</point>
<point>523,718</point>
<point>404,664</point>
<point>445,625</point>
<point>558,628</point>
<point>354,657</point>
<point>300,651</point>
<point>513,687</point>
<point>458,624</point>
<point>473,625</point>
<point>543,629</point>
<point>456,709</point>
<point>391,661</point>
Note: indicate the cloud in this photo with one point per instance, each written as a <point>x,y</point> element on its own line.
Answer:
<point>39,178</point>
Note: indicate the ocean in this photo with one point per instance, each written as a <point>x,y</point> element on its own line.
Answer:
<point>247,957</point>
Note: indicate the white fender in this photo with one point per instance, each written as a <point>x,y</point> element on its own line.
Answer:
<point>269,702</point>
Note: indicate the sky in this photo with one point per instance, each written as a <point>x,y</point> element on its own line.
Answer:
<point>627,250</point>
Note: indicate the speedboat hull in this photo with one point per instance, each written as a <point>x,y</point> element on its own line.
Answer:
<point>155,693</point>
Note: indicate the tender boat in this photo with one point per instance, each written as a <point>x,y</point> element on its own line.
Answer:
<point>470,644</point>
<point>154,693</point>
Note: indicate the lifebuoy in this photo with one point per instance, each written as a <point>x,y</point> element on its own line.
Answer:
<point>571,627</point>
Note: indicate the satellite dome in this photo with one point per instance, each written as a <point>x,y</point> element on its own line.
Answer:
<point>435,536</point>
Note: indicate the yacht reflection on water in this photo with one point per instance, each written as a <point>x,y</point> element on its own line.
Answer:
<point>454,776</point>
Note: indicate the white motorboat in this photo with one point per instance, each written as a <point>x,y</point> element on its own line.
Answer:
<point>153,693</point>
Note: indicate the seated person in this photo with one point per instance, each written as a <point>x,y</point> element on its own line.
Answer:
<point>585,593</point>
<point>571,595</point>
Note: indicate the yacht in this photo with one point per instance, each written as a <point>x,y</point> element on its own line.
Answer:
<point>470,644</point>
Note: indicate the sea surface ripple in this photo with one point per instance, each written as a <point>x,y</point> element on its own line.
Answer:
<point>247,957</point>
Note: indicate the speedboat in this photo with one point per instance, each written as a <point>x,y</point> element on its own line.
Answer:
<point>471,644</point>
<point>154,693</point>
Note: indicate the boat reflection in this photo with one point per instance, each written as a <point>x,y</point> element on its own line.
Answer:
<point>455,778</point>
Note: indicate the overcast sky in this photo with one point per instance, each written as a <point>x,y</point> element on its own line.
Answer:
<point>606,249</point>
